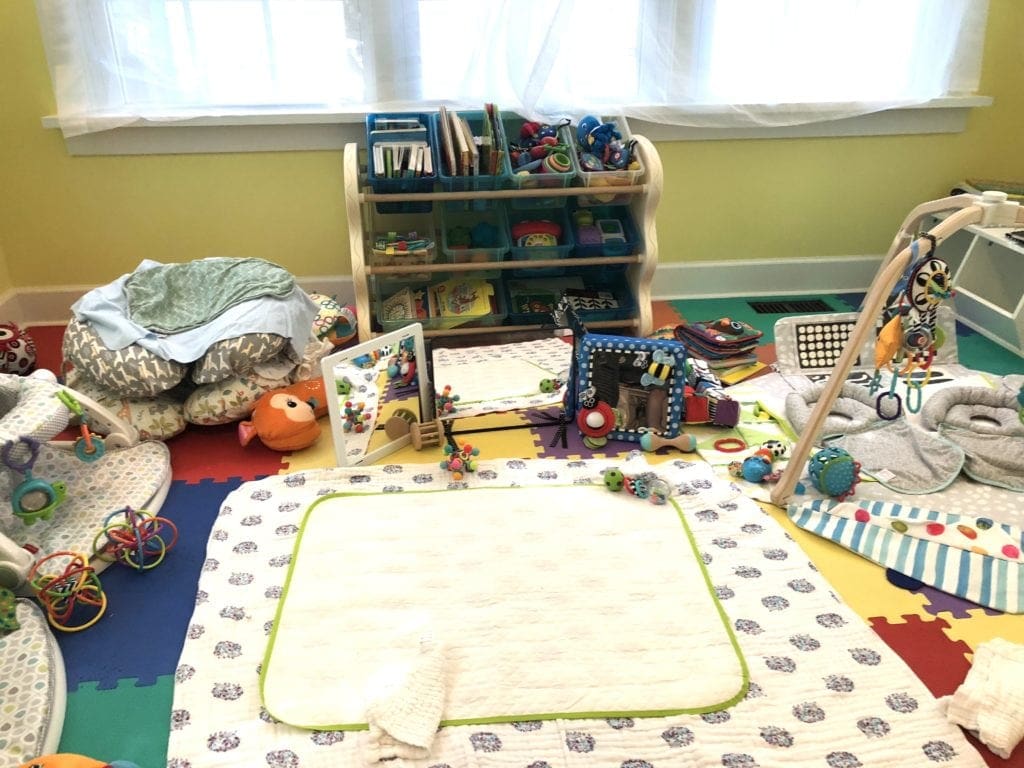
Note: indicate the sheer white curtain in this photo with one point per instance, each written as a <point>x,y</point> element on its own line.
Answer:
<point>711,63</point>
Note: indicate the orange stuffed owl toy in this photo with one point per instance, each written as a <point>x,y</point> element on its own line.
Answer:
<point>285,419</point>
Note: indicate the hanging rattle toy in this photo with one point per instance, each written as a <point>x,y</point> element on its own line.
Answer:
<point>909,333</point>
<point>88,447</point>
<point>33,498</point>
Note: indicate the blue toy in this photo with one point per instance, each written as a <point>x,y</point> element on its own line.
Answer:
<point>834,472</point>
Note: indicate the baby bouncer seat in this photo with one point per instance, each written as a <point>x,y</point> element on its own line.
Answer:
<point>55,496</point>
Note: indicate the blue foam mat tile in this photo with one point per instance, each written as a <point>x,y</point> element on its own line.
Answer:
<point>147,616</point>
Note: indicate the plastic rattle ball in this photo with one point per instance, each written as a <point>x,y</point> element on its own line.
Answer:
<point>834,472</point>
<point>591,162</point>
<point>755,468</point>
<point>614,480</point>
<point>660,491</point>
<point>777,447</point>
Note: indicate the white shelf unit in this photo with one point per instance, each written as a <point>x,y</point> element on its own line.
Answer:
<point>364,221</point>
<point>988,282</point>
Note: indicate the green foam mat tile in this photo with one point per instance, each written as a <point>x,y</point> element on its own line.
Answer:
<point>129,722</point>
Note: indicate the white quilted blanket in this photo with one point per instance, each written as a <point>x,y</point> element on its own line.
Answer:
<point>545,602</point>
<point>824,689</point>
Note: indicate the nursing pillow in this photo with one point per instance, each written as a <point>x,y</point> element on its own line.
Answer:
<point>130,372</point>
<point>895,453</point>
<point>986,424</point>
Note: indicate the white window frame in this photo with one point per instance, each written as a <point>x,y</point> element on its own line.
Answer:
<point>284,130</point>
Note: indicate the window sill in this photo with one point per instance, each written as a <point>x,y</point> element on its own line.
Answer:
<point>277,132</point>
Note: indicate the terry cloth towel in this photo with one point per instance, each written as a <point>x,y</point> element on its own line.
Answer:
<point>986,424</point>
<point>990,701</point>
<point>897,454</point>
<point>178,297</point>
<point>403,723</point>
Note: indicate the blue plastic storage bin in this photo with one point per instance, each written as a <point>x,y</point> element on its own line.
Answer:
<point>392,134</point>
<point>530,299</point>
<point>606,230</point>
<point>522,234</point>
<point>450,182</point>
<point>399,304</point>
<point>475,237</point>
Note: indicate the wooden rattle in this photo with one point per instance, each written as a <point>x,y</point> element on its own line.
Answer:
<point>684,442</point>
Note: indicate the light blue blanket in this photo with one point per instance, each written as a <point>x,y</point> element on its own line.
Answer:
<point>106,310</point>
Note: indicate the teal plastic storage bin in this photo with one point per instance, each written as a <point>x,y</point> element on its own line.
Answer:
<point>494,159</point>
<point>401,158</point>
<point>542,177</point>
<point>475,237</point>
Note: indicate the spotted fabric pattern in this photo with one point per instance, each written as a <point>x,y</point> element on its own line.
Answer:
<point>824,689</point>
<point>31,672</point>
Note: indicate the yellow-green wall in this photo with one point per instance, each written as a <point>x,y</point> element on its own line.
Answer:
<point>85,220</point>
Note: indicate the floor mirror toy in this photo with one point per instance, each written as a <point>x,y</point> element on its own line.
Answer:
<point>627,387</point>
<point>384,376</point>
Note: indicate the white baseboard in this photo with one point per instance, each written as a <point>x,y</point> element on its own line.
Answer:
<point>688,280</point>
<point>768,277</point>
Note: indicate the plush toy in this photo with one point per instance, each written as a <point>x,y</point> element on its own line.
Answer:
<point>285,419</point>
<point>17,350</point>
<point>74,761</point>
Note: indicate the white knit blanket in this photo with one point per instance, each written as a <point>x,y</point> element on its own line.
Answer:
<point>545,602</point>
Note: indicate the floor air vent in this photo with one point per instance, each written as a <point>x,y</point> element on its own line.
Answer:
<point>798,307</point>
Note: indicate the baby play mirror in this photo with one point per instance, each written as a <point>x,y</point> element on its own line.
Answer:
<point>375,391</point>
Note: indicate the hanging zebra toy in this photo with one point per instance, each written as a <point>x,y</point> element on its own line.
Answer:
<point>910,335</point>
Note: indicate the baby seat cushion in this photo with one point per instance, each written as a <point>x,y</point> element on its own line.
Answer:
<point>897,454</point>
<point>986,424</point>
<point>29,408</point>
<point>32,688</point>
<point>136,476</point>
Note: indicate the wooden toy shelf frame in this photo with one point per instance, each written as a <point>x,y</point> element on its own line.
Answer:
<point>990,209</point>
<point>644,199</point>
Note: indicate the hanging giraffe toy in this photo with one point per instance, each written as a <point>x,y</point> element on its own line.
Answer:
<point>910,335</point>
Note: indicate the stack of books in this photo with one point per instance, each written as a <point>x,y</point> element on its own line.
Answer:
<point>728,346</point>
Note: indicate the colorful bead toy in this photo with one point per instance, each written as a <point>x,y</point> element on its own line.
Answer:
<point>459,459</point>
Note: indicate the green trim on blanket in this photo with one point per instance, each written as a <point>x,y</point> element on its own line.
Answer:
<point>731,701</point>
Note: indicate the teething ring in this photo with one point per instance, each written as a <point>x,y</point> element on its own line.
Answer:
<point>33,449</point>
<point>878,406</point>
<point>730,445</point>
